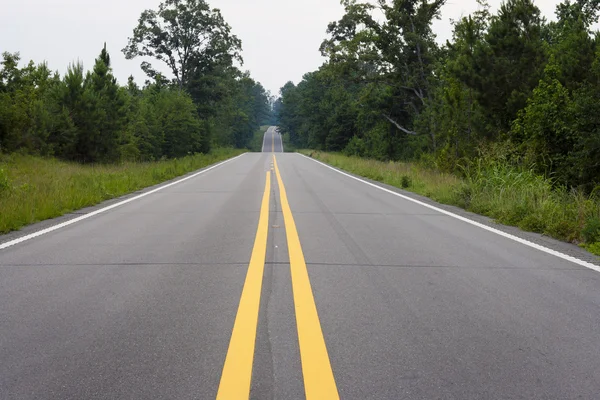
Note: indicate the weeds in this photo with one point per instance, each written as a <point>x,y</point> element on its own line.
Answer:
<point>5,185</point>
<point>34,189</point>
<point>405,182</point>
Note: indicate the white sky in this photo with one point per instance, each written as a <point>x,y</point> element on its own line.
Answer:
<point>280,38</point>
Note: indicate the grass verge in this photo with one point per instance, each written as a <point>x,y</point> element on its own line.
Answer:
<point>33,189</point>
<point>495,189</point>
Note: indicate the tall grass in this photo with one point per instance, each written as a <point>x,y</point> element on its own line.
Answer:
<point>523,198</point>
<point>512,196</point>
<point>34,189</point>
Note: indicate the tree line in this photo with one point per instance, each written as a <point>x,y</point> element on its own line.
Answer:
<point>509,84</point>
<point>89,117</point>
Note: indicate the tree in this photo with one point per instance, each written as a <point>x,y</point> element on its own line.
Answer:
<point>454,115</point>
<point>25,121</point>
<point>509,62</point>
<point>288,111</point>
<point>559,125</point>
<point>107,112</point>
<point>187,35</point>
<point>572,43</point>
<point>398,53</point>
<point>179,124</point>
<point>546,124</point>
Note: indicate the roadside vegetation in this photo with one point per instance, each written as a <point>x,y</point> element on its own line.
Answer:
<point>518,197</point>
<point>34,188</point>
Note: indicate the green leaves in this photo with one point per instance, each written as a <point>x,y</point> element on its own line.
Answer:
<point>197,45</point>
<point>546,124</point>
<point>187,36</point>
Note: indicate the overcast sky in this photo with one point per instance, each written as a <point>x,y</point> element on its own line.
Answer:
<point>280,38</point>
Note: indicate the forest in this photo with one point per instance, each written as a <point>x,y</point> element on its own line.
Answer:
<point>89,117</point>
<point>510,86</point>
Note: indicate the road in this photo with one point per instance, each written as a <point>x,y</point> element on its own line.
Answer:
<point>272,141</point>
<point>284,279</point>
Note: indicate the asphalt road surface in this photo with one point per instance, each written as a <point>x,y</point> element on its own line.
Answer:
<point>284,279</point>
<point>272,141</point>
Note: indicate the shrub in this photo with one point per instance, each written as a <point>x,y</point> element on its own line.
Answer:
<point>355,147</point>
<point>591,230</point>
<point>406,182</point>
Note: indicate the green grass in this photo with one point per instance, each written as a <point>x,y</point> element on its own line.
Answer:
<point>33,189</point>
<point>495,189</point>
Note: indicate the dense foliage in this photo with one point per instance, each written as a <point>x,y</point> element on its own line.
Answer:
<point>88,117</point>
<point>510,81</point>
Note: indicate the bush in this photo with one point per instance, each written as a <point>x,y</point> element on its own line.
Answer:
<point>406,182</point>
<point>355,147</point>
<point>594,248</point>
<point>591,231</point>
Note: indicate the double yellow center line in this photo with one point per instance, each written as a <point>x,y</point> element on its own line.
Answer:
<point>237,371</point>
<point>272,142</point>
<point>319,382</point>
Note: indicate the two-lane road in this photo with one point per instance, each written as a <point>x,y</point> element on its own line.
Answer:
<point>272,142</point>
<point>311,284</point>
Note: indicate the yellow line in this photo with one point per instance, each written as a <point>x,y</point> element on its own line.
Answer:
<point>272,142</point>
<point>237,371</point>
<point>319,382</point>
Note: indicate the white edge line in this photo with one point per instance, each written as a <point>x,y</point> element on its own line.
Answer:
<point>93,213</point>
<point>469,221</point>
